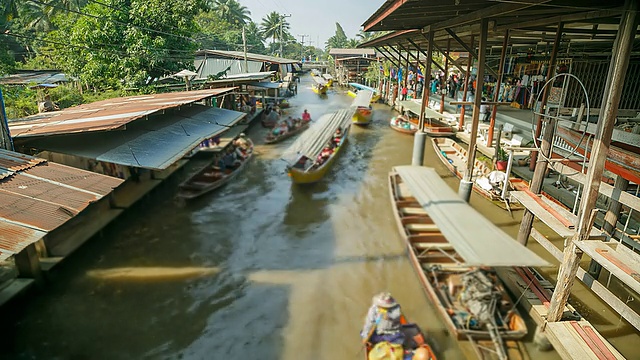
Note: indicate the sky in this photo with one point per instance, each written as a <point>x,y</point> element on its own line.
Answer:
<point>316,18</point>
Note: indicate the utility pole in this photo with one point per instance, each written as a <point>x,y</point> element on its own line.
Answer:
<point>282,17</point>
<point>5,137</point>
<point>244,44</point>
<point>302,45</point>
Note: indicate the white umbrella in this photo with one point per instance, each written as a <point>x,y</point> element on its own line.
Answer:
<point>185,73</point>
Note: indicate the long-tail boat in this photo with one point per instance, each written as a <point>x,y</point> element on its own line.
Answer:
<point>403,124</point>
<point>362,106</point>
<point>329,79</point>
<point>210,178</point>
<point>414,340</point>
<point>435,124</point>
<point>302,156</point>
<point>319,85</point>
<point>355,87</point>
<point>297,129</point>
<point>454,157</point>
<point>454,250</point>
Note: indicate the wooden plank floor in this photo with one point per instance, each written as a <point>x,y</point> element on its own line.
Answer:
<point>566,339</point>
<point>624,265</point>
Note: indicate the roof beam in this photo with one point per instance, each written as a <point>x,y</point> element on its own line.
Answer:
<point>425,54</point>
<point>369,24</point>
<point>446,55</point>
<point>470,50</point>
<point>587,15</point>
<point>492,11</point>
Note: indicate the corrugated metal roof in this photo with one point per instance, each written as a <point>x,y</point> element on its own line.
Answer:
<point>11,162</point>
<point>107,114</point>
<point>153,144</point>
<point>477,240</point>
<point>39,196</point>
<point>250,56</point>
<point>26,77</point>
<point>371,52</point>
<point>14,238</point>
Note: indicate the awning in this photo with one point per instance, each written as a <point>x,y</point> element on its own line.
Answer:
<point>319,80</point>
<point>151,144</point>
<point>414,107</point>
<point>477,240</point>
<point>363,87</point>
<point>363,99</point>
<point>310,142</point>
<point>266,85</point>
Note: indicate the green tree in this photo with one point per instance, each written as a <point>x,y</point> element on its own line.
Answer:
<point>232,12</point>
<point>338,40</point>
<point>270,26</point>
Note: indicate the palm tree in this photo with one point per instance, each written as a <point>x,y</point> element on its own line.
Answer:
<point>270,25</point>
<point>364,36</point>
<point>232,11</point>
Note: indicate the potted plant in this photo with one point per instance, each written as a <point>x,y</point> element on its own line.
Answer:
<point>501,160</point>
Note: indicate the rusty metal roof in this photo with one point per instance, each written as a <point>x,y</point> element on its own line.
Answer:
<point>38,198</point>
<point>107,114</point>
<point>11,162</point>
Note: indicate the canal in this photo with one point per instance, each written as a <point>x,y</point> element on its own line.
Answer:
<point>258,270</point>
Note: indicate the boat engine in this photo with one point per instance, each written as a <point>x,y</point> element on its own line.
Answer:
<point>479,296</point>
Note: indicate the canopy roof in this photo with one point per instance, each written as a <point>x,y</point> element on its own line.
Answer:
<point>250,56</point>
<point>363,99</point>
<point>319,80</point>
<point>363,87</point>
<point>153,144</point>
<point>415,106</point>
<point>477,240</point>
<point>311,142</point>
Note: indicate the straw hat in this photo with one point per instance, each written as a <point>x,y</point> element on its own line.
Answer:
<point>384,300</point>
<point>242,135</point>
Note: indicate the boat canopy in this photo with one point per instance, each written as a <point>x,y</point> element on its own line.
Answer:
<point>363,87</point>
<point>476,239</point>
<point>363,99</point>
<point>319,80</point>
<point>414,107</point>
<point>327,76</point>
<point>311,142</point>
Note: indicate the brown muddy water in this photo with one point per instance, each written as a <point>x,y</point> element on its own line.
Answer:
<point>260,269</point>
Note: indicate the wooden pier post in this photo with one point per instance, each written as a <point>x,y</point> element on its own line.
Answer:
<point>503,55</point>
<point>613,90</point>
<point>420,136</point>
<point>28,264</point>
<point>466,184</point>
<point>446,76</point>
<point>466,88</point>
<point>547,90</point>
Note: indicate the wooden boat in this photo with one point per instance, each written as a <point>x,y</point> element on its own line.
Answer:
<point>454,157</point>
<point>310,174</point>
<point>355,88</point>
<point>272,139</point>
<point>403,124</point>
<point>434,124</point>
<point>319,85</point>
<point>415,339</point>
<point>209,179</point>
<point>329,79</point>
<point>622,159</point>
<point>445,276</point>
<point>362,106</point>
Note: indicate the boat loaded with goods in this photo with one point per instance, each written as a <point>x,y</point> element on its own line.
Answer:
<point>454,251</point>
<point>286,129</point>
<point>313,153</point>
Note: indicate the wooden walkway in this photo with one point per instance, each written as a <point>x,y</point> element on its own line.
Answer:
<point>579,340</point>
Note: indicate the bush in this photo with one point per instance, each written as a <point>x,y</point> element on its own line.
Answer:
<point>66,96</point>
<point>19,101</point>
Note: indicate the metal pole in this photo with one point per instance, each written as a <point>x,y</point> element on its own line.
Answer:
<point>466,88</point>
<point>506,180</point>
<point>244,44</point>
<point>5,136</point>
<point>503,55</point>
<point>621,55</point>
<point>446,74</point>
<point>466,184</point>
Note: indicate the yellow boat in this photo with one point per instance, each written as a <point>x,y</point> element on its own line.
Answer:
<point>308,147</point>
<point>329,79</point>
<point>362,107</point>
<point>356,88</point>
<point>319,89</point>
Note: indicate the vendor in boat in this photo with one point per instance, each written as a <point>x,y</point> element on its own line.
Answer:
<point>243,142</point>
<point>306,116</point>
<point>383,321</point>
<point>230,159</point>
<point>289,122</point>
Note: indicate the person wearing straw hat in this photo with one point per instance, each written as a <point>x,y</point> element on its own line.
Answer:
<point>384,320</point>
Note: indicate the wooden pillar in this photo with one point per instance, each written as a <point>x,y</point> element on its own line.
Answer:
<point>608,112</point>
<point>446,75</point>
<point>610,218</point>
<point>427,79</point>
<point>466,88</point>
<point>547,90</point>
<point>538,180</point>
<point>466,183</point>
<point>28,263</point>
<point>503,55</point>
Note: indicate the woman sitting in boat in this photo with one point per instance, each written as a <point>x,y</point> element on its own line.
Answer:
<point>383,321</point>
<point>306,116</point>
<point>243,142</point>
<point>230,159</point>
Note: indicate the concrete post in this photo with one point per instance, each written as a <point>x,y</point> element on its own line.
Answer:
<point>419,139</point>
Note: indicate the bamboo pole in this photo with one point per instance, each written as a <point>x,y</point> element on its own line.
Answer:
<point>615,82</point>
<point>503,55</point>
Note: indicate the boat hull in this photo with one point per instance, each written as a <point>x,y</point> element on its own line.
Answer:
<point>362,116</point>
<point>289,134</point>
<point>198,184</point>
<point>351,93</point>
<point>300,176</point>
<point>435,261</point>
<point>453,156</point>
<point>319,90</point>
